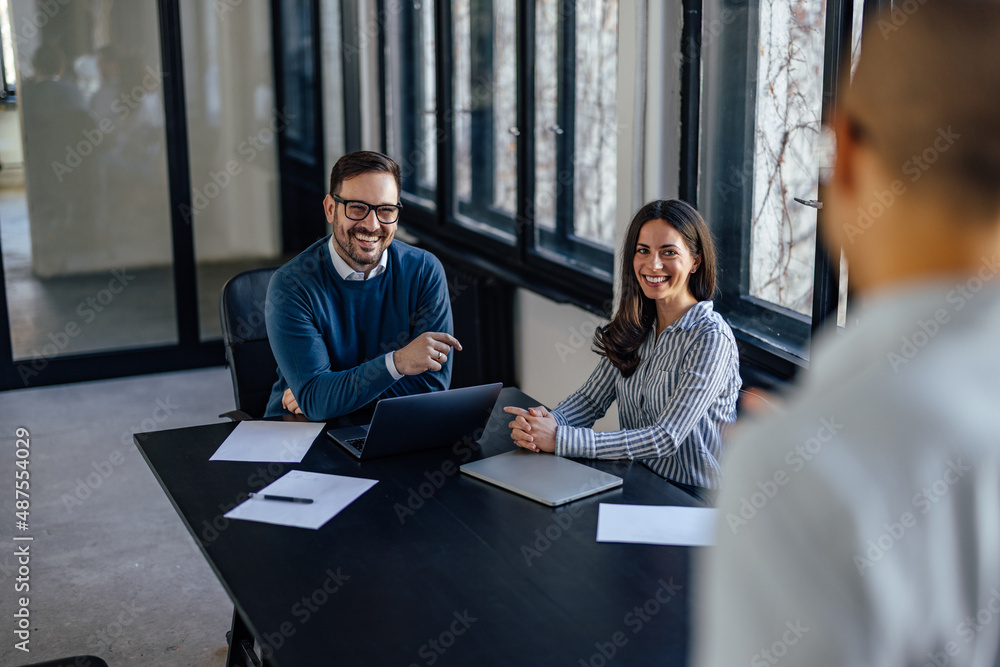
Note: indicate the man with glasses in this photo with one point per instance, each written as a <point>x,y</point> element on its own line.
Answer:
<point>861,525</point>
<point>356,317</point>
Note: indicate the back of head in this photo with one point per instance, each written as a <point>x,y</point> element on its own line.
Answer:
<point>355,164</point>
<point>924,96</point>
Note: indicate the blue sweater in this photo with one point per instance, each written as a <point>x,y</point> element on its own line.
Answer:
<point>330,335</point>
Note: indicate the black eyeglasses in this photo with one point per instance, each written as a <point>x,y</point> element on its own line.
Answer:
<point>387,214</point>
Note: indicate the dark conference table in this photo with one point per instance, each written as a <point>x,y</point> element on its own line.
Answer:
<point>430,566</point>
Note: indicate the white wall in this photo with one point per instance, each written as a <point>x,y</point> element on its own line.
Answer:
<point>662,112</point>
<point>552,350</point>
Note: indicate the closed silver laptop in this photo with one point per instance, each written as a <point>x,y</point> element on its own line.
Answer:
<point>550,480</point>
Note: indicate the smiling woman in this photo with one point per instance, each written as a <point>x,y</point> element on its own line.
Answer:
<point>671,243</point>
<point>668,359</point>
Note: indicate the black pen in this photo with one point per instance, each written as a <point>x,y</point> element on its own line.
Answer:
<point>287,499</point>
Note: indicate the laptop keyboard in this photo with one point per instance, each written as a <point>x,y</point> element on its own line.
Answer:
<point>357,443</point>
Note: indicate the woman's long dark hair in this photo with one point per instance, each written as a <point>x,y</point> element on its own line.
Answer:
<point>620,339</point>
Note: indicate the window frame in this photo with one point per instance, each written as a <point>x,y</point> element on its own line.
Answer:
<point>774,338</point>
<point>408,124</point>
<point>518,258</point>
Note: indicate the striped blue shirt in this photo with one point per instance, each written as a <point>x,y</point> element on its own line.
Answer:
<point>672,409</point>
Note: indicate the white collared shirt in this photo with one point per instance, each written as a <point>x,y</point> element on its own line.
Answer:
<point>347,273</point>
<point>861,525</point>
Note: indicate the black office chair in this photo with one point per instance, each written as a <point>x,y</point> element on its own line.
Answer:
<point>248,352</point>
<point>254,371</point>
<point>75,661</point>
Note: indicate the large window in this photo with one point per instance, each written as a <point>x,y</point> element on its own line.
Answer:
<point>769,66</point>
<point>787,115</point>
<point>503,116</point>
<point>484,113</point>
<point>411,100</point>
<point>576,141</point>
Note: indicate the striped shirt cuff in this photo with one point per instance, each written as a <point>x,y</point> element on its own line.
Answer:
<point>575,442</point>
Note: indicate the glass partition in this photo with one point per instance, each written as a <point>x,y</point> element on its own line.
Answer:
<point>233,122</point>
<point>86,230</point>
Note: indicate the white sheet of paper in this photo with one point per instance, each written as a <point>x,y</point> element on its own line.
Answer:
<point>284,442</point>
<point>657,524</point>
<point>330,494</point>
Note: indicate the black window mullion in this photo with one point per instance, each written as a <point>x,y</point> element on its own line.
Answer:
<point>404,18</point>
<point>525,228</point>
<point>351,62</point>
<point>690,101</point>
<point>179,172</point>
<point>444,112</point>
<point>8,373</point>
<point>566,132</point>
<point>482,84</point>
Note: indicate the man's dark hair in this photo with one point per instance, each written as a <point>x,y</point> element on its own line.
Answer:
<point>362,162</point>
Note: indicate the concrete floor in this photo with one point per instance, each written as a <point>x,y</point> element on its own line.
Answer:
<point>113,571</point>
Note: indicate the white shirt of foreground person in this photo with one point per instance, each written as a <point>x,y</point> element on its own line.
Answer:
<point>869,511</point>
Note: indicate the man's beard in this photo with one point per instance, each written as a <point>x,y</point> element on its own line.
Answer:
<point>345,241</point>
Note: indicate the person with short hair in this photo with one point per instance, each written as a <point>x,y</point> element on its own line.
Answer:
<point>666,356</point>
<point>861,524</point>
<point>358,316</point>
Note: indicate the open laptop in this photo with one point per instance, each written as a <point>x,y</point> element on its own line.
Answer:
<point>421,421</point>
<point>550,480</point>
